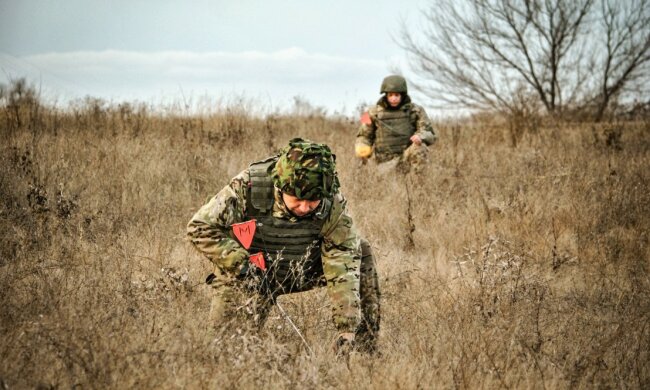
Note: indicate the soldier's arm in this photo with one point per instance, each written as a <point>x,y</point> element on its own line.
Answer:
<point>423,127</point>
<point>341,256</point>
<point>367,129</point>
<point>208,230</point>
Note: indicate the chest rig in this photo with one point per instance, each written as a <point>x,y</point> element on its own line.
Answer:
<point>292,249</point>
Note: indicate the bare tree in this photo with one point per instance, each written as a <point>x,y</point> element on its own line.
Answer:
<point>625,63</point>
<point>500,53</point>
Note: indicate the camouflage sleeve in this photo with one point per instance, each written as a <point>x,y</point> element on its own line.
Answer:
<point>366,132</point>
<point>208,230</point>
<point>423,127</point>
<point>341,256</point>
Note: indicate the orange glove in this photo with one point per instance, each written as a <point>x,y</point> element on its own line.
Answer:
<point>362,150</point>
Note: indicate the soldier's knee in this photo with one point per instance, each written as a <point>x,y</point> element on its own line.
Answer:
<point>366,250</point>
<point>367,262</point>
<point>369,282</point>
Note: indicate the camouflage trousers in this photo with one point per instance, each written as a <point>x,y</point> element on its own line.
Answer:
<point>238,302</point>
<point>414,158</point>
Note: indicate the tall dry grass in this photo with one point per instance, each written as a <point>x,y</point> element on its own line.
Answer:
<point>527,266</point>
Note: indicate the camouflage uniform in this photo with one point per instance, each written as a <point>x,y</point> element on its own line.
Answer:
<point>388,129</point>
<point>332,252</point>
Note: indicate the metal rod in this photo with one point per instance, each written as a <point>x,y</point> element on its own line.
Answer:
<point>288,319</point>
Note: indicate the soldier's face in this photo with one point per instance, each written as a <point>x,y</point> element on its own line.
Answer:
<point>299,207</point>
<point>394,98</point>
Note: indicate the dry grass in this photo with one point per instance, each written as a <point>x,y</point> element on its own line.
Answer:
<point>530,266</point>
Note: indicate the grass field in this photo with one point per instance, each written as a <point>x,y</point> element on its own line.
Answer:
<point>528,265</point>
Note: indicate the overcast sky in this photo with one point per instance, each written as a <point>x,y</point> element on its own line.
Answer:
<point>331,53</point>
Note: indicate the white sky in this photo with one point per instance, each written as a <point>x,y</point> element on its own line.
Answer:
<point>331,53</point>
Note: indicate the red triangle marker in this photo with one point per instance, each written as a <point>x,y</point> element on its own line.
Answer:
<point>244,232</point>
<point>258,260</point>
<point>365,118</point>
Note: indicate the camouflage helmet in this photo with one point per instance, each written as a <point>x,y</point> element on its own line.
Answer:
<point>306,170</point>
<point>393,83</point>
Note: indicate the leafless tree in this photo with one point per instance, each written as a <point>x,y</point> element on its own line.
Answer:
<point>505,54</point>
<point>625,64</point>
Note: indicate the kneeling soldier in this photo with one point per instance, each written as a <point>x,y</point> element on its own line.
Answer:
<point>279,227</point>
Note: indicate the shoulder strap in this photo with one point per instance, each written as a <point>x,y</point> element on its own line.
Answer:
<point>260,187</point>
<point>323,210</point>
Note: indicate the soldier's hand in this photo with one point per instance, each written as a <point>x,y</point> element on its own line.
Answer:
<point>416,139</point>
<point>344,344</point>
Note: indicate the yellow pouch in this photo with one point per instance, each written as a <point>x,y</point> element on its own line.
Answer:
<point>362,151</point>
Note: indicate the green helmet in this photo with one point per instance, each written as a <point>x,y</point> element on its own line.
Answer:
<point>393,83</point>
<point>306,170</point>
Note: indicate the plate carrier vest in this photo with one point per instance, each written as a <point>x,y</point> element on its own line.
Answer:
<point>291,249</point>
<point>394,130</point>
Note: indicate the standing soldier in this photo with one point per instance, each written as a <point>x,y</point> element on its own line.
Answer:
<point>395,127</point>
<point>279,227</point>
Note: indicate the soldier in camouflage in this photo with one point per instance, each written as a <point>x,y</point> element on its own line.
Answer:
<point>395,128</point>
<point>304,235</point>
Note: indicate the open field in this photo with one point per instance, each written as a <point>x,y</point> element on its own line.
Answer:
<point>528,265</point>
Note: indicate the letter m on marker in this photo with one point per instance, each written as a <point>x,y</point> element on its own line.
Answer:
<point>244,232</point>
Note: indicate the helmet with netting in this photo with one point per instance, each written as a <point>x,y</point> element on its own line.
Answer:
<point>306,170</point>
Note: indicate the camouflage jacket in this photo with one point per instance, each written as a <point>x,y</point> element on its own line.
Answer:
<point>417,117</point>
<point>208,230</point>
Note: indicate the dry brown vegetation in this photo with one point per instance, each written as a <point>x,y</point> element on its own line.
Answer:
<point>529,266</point>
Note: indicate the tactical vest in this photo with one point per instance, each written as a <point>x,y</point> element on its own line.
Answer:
<point>292,250</point>
<point>394,130</point>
